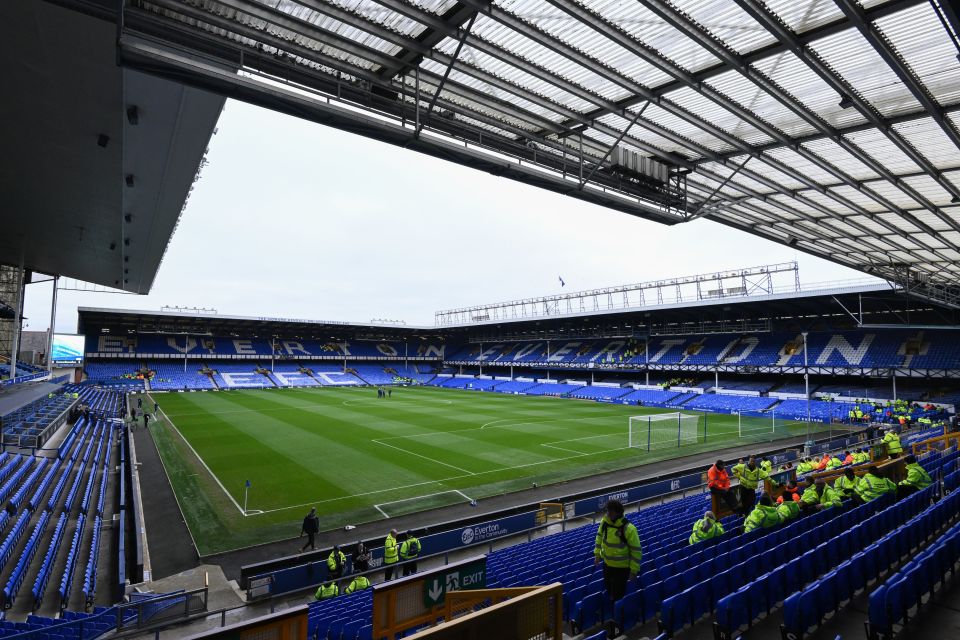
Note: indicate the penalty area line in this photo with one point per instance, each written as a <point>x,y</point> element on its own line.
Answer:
<point>428,495</point>
<point>469,473</point>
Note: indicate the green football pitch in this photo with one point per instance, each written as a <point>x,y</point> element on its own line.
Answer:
<point>358,458</point>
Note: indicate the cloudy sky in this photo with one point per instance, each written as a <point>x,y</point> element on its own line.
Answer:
<point>292,219</point>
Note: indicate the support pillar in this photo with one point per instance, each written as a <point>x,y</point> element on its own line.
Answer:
<point>17,319</point>
<point>53,323</point>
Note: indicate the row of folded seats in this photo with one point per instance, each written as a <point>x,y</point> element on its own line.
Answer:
<point>821,597</point>
<point>720,576</point>
<point>89,443</point>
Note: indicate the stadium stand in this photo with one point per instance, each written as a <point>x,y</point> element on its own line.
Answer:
<point>173,377</point>
<point>893,348</point>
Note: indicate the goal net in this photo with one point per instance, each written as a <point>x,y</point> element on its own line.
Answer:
<point>662,430</point>
<point>768,425</point>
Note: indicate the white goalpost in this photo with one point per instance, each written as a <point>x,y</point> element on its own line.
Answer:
<point>662,430</point>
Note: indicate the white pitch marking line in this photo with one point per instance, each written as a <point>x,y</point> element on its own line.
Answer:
<point>428,495</point>
<point>424,457</point>
<point>197,455</point>
<point>442,480</point>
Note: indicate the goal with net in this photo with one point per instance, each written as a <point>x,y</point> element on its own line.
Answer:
<point>662,430</point>
<point>768,425</point>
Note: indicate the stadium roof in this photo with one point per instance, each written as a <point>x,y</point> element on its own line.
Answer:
<point>842,304</point>
<point>829,126</point>
<point>70,141</point>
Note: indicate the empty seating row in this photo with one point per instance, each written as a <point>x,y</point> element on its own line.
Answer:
<point>891,602</point>
<point>23,563</point>
<point>46,568</point>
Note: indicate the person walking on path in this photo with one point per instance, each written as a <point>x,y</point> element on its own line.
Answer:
<point>310,527</point>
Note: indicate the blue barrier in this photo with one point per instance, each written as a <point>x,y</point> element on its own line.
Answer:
<point>310,574</point>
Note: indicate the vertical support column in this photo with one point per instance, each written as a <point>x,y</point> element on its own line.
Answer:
<point>480,359</point>
<point>806,381</point>
<point>716,377</point>
<point>273,352</point>
<point>186,347</point>
<point>646,356</point>
<point>893,378</point>
<point>53,323</point>
<point>17,319</point>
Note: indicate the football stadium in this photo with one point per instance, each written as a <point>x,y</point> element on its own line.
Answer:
<point>719,453</point>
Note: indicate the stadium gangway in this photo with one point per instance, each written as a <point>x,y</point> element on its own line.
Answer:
<point>46,567</point>
<point>104,477</point>
<point>889,604</point>
<point>66,580</point>
<point>90,574</point>
<point>23,563</point>
<point>85,501</point>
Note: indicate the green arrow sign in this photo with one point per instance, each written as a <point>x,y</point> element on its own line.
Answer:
<point>462,578</point>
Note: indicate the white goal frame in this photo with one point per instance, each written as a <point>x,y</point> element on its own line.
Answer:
<point>686,426</point>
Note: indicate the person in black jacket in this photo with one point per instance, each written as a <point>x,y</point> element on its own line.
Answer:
<point>361,558</point>
<point>311,526</point>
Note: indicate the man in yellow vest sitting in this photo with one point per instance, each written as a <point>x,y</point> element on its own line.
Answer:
<point>846,485</point>
<point>706,528</point>
<point>359,583</point>
<point>916,480</point>
<point>327,590</point>
<point>819,496</point>
<point>763,516</point>
<point>872,485</point>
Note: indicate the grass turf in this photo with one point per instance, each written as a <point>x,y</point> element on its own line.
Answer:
<point>359,458</point>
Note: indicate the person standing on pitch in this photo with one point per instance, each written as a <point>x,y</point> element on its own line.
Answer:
<point>618,546</point>
<point>391,554</point>
<point>310,526</point>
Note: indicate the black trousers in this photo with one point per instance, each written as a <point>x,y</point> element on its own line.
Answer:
<point>615,581</point>
<point>748,498</point>
<point>409,569</point>
<point>388,572</point>
<point>311,540</point>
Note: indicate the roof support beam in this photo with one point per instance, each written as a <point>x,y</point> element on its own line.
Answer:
<point>892,57</point>
<point>715,46</point>
<point>625,40</point>
<point>446,74</point>
<point>626,130</point>
<point>454,17</point>
<point>772,22</point>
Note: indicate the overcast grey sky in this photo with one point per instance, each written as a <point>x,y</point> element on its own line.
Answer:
<point>293,219</point>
